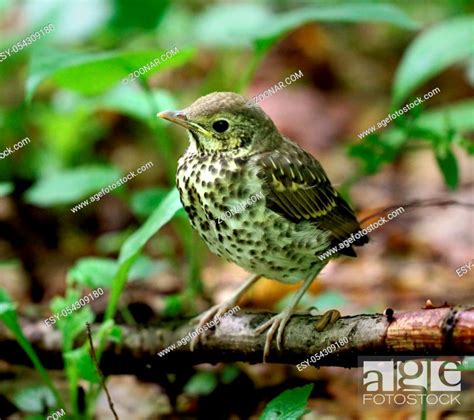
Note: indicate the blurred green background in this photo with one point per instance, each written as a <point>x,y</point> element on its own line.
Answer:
<point>88,128</point>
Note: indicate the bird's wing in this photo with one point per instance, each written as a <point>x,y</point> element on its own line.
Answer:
<point>298,189</point>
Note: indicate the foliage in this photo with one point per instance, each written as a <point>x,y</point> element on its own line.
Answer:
<point>74,97</point>
<point>289,405</point>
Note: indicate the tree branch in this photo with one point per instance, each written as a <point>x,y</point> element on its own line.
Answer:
<point>429,331</point>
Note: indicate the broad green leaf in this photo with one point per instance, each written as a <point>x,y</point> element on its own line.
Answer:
<point>6,188</point>
<point>231,25</point>
<point>134,102</point>
<point>127,16</point>
<point>94,73</point>
<point>348,12</point>
<point>93,272</point>
<point>448,164</point>
<point>144,202</point>
<point>458,116</point>
<point>202,383</point>
<point>240,25</point>
<point>34,399</point>
<point>81,360</point>
<point>133,245</point>
<point>67,132</point>
<point>71,185</point>
<point>289,405</point>
<point>9,318</point>
<point>432,52</point>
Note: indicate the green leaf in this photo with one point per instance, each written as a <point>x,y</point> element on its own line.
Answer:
<point>81,360</point>
<point>378,149</point>
<point>71,185</point>
<point>289,405</point>
<point>116,334</point>
<point>173,305</point>
<point>467,144</point>
<point>133,245</point>
<point>329,300</point>
<point>348,12</point>
<point>74,323</point>
<point>134,102</point>
<point>93,73</point>
<point>9,318</point>
<point>144,202</point>
<point>127,16</point>
<point>144,267</point>
<point>202,383</point>
<point>93,272</point>
<point>6,188</point>
<point>433,51</point>
<point>34,399</point>
<point>111,242</point>
<point>467,363</point>
<point>448,164</point>
<point>231,25</point>
<point>162,215</point>
<point>229,374</point>
<point>458,116</point>
<point>241,25</point>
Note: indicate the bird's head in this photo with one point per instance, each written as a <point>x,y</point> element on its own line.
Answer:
<point>225,122</point>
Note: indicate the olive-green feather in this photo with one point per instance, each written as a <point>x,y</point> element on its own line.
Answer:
<point>299,189</point>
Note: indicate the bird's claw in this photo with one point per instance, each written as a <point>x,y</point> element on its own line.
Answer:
<point>212,313</point>
<point>276,323</point>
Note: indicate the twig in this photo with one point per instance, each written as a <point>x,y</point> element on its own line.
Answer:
<point>99,372</point>
<point>430,202</point>
<point>432,331</point>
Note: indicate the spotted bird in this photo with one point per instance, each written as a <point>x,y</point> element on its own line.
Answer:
<point>235,151</point>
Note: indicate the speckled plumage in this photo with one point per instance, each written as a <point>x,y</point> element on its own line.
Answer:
<point>271,237</point>
<point>236,152</point>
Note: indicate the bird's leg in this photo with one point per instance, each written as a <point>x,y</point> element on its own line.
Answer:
<point>218,310</point>
<point>279,321</point>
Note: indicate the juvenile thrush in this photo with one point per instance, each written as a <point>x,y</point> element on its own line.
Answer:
<point>236,152</point>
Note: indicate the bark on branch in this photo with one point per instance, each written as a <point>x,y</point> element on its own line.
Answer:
<point>430,332</point>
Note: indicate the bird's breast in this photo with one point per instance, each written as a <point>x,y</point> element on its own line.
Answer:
<point>226,204</point>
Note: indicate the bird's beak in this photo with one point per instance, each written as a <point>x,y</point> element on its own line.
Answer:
<point>177,117</point>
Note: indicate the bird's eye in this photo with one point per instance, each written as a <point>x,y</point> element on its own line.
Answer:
<point>220,126</point>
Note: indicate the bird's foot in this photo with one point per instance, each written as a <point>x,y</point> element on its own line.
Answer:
<point>212,313</point>
<point>277,324</point>
<point>328,318</point>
